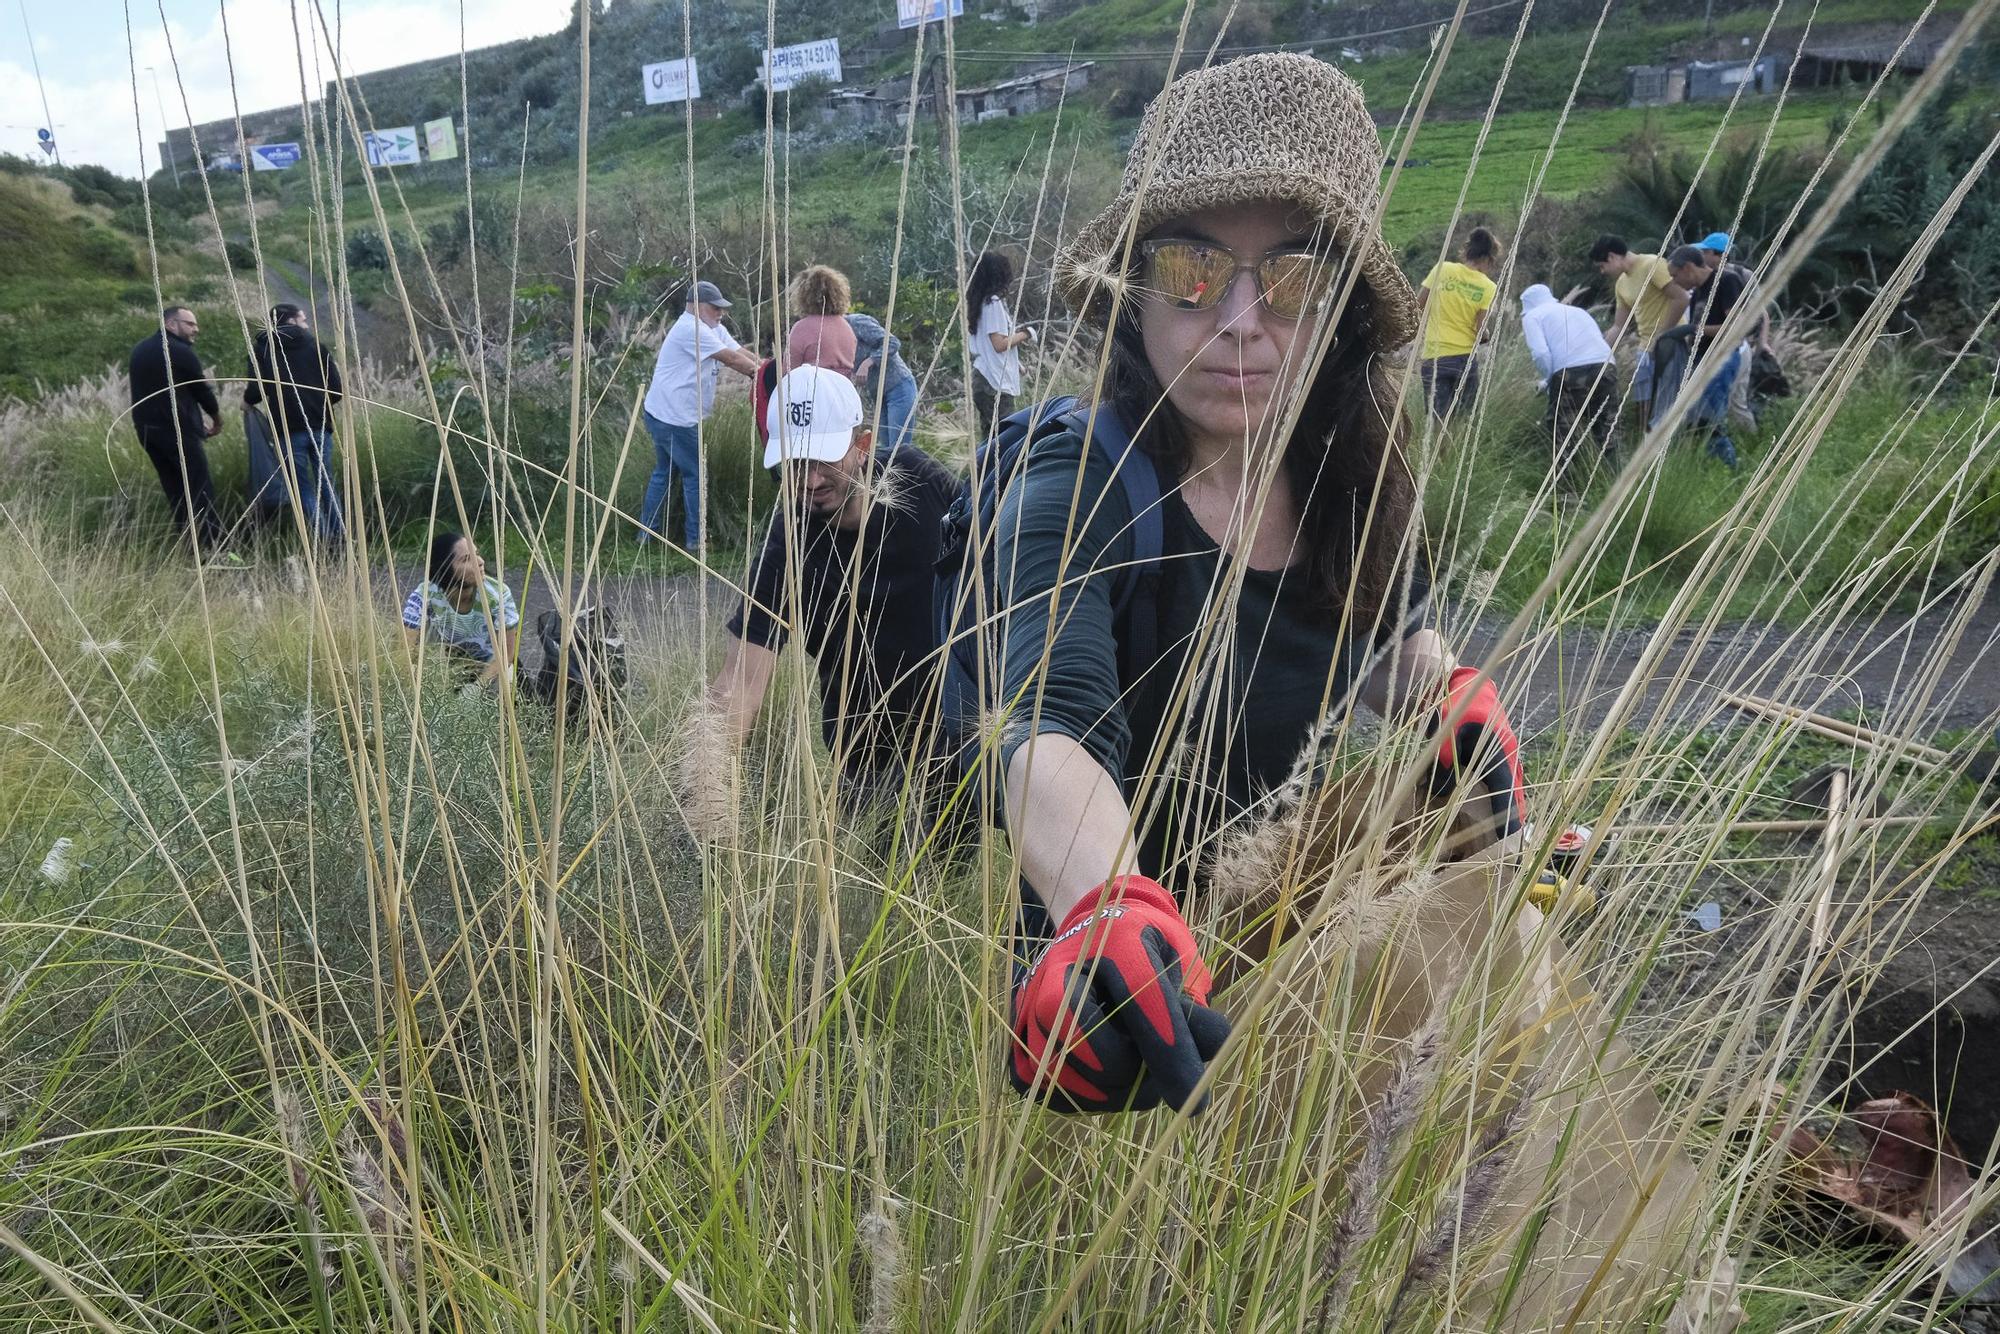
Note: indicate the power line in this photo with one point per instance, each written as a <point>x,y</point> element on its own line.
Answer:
<point>996,54</point>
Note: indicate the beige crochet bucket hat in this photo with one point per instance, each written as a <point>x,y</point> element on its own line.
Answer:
<point>1278,126</point>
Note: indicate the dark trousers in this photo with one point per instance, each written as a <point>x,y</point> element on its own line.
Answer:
<point>1450,383</point>
<point>183,468</point>
<point>990,408</point>
<point>1580,415</point>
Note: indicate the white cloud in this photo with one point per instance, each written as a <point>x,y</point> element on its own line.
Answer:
<point>259,57</point>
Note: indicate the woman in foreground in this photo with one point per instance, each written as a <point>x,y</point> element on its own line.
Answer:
<point>1248,324</point>
<point>1246,363</point>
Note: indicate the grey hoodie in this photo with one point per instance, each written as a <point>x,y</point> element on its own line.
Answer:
<point>872,341</point>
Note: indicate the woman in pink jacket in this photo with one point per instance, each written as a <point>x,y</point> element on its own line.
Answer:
<point>820,335</point>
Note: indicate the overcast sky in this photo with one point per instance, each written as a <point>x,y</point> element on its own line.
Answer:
<point>88,66</point>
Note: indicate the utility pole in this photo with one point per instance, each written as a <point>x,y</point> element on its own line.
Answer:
<point>36,61</point>
<point>166,134</point>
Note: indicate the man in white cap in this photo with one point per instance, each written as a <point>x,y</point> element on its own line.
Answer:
<point>869,631</point>
<point>680,398</point>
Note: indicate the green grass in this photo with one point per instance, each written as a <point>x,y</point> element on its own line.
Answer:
<point>1883,499</point>
<point>361,1001</point>
<point>75,293</point>
<point>1592,149</point>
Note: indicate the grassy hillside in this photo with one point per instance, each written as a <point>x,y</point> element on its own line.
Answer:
<point>76,289</point>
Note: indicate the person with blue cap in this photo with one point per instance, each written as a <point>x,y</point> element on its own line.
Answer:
<point>1714,255</point>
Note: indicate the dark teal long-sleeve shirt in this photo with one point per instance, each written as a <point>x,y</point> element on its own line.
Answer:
<point>1268,668</point>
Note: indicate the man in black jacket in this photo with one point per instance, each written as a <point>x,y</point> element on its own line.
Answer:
<point>173,411</point>
<point>292,372</point>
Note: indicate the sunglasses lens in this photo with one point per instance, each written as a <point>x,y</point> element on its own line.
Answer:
<point>1295,284</point>
<point>1192,276</point>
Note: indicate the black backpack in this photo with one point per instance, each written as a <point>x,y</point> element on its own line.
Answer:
<point>1135,584</point>
<point>592,656</point>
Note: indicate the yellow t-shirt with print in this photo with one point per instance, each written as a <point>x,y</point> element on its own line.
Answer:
<point>1458,294</point>
<point>1643,291</point>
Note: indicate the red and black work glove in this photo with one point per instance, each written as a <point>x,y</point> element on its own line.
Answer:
<point>1114,1015</point>
<point>1479,749</point>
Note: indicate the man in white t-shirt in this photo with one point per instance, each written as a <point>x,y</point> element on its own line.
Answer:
<point>680,397</point>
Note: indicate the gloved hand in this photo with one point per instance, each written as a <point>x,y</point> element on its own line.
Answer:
<point>1480,748</point>
<point>1121,996</point>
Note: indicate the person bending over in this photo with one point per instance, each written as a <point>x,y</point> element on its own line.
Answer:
<point>846,566</point>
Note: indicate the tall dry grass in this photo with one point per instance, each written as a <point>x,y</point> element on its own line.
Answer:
<point>358,1001</point>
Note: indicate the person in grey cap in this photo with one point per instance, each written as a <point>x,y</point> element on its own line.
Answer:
<point>681,396</point>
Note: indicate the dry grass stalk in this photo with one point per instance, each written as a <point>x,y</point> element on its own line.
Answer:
<point>1388,1121</point>
<point>1465,1216</point>
<point>372,1180</point>
<point>880,1233</point>
<point>1867,735</point>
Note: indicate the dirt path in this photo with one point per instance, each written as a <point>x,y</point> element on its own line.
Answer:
<point>1891,664</point>
<point>1883,664</point>
<point>292,283</point>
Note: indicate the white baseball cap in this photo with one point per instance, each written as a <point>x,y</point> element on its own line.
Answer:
<point>811,417</point>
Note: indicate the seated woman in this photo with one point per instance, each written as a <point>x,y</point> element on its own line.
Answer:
<point>459,607</point>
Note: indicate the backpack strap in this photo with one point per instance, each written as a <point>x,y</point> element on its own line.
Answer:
<point>1135,599</point>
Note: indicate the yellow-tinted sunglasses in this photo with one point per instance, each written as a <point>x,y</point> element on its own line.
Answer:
<point>1196,275</point>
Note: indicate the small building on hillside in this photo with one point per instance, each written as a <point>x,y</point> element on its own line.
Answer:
<point>1024,94</point>
<point>1702,80</point>
<point>1655,85</point>
<point>1822,63</point>
<point>889,101</point>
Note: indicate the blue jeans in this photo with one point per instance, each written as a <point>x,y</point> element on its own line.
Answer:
<point>899,411</point>
<point>319,497</point>
<point>676,449</point>
<point>1712,408</point>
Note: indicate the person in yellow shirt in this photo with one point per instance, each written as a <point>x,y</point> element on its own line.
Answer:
<point>1648,300</point>
<point>1453,302</point>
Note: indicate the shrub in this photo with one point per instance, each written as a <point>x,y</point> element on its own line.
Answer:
<point>365,249</point>
<point>106,252</point>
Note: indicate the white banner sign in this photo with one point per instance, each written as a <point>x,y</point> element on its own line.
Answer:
<point>910,13</point>
<point>393,148</point>
<point>672,81</point>
<point>274,157</point>
<point>441,138</point>
<point>788,66</point>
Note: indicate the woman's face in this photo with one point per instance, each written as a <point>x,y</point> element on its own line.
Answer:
<point>1228,369</point>
<point>467,568</point>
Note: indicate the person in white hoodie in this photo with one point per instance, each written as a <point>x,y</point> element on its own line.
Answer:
<point>1575,365</point>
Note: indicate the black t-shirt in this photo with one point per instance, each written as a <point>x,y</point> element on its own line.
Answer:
<point>1714,300</point>
<point>1262,681</point>
<point>873,647</point>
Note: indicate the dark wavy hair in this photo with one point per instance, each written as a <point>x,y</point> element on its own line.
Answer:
<point>1344,460</point>
<point>1482,244</point>
<point>992,275</point>
<point>439,569</point>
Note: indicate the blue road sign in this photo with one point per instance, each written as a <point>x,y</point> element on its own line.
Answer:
<point>43,135</point>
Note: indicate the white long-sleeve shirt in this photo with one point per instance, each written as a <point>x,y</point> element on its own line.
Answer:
<point>1560,336</point>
